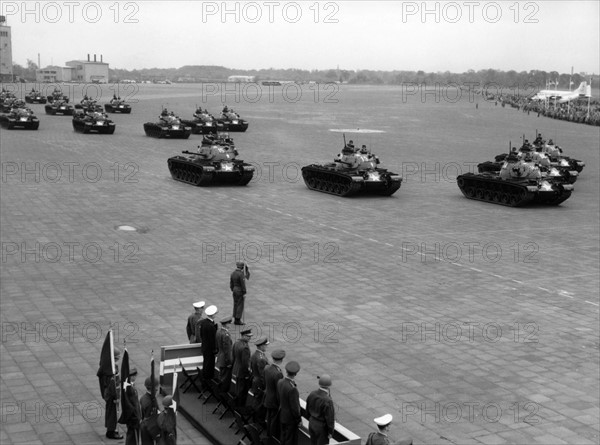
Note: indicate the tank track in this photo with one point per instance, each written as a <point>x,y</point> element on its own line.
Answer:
<point>157,131</point>
<point>80,127</point>
<point>492,189</point>
<point>30,125</point>
<point>327,180</point>
<point>184,170</point>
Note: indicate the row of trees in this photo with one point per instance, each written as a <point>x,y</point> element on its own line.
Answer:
<point>197,73</point>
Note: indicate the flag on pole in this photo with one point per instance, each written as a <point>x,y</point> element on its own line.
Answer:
<point>106,370</point>
<point>152,378</point>
<point>175,392</point>
<point>127,409</point>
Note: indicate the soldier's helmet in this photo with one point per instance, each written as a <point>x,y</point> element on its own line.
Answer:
<point>347,150</point>
<point>364,150</point>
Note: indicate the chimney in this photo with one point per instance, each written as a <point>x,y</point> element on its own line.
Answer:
<point>100,57</point>
<point>94,57</point>
<point>88,57</point>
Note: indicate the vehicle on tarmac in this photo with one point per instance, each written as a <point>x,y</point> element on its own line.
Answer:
<point>204,123</point>
<point>353,171</point>
<point>168,126</point>
<point>213,163</point>
<point>117,105</point>
<point>35,97</point>
<point>93,121</point>
<point>231,121</point>
<point>59,107</point>
<point>518,183</point>
<point>21,117</point>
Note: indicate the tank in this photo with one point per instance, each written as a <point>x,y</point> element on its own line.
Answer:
<point>117,106</point>
<point>560,171</point>
<point>22,118</point>
<point>57,95</point>
<point>231,121</point>
<point>93,121</point>
<point>351,173</point>
<point>517,183</point>
<point>213,163</point>
<point>35,97</point>
<point>85,105</point>
<point>9,103</point>
<point>204,123</point>
<point>168,127</point>
<point>59,107</point>
<point>555,153</point>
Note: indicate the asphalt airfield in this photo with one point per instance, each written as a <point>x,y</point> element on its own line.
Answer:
<point>469,322</point>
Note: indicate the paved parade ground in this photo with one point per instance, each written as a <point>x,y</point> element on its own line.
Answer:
<point>469,322</point>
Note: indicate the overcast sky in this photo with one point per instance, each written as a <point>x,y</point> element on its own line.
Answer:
<point>387,35</point>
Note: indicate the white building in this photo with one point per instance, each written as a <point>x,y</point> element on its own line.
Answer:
<point>241,78</point>
<point>88,71</point>
<point>53,74</point>
<point>6,64</point>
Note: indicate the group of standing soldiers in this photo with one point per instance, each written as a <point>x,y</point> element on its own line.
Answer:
<point>136,413</point>
<point>257,384</point>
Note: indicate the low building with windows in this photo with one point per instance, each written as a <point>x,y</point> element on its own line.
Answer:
<point>54,74</point>
<point>89,71</point>
<point>241,79</point>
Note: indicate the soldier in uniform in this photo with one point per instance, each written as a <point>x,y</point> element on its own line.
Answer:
<point>241,367</point>
<point>193,320</point>
<point>237,284</point>
<point>258,362</point>
<point>321,421</point>
<point>225,355</point>
<point>167,422</point>
<point>272,375</point>
<point>380,437</point>
<point>290,416</point>
<point>148,407</point>
<point>134,417</point>
<point>110,388</point>
<point>208,338</point>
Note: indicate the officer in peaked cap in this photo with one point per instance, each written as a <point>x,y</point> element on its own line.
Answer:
<point>321,421</point>
<point>381,437</point>
<point>208,338</point>
<point>273,374</point>
<point>225,355</point>
<point>237,284</point>
<point>258,363</point>
<point>289,405</point>
<point>148,408</point>
<point>193,321</point>
<point>240,372</point>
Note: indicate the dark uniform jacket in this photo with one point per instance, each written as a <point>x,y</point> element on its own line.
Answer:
<point>134,412</point>
<point>272,375</point>
<point>320,407</point>
<point>190,328</point>
<point>378,438</point>
<point>148,405</point>
<point>241,361</point>
<point>289,401</point>
<point>225,347</point>
<point>258,362</point>
<point>208,334</point>
<point>167,422</point>
<point>237,282</point>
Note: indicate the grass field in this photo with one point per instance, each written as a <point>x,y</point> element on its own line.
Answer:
<point>422,304</point>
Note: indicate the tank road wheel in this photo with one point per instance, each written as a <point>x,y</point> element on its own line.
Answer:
<point>487,195</point>
<point>504,198</point>
<point>513,199</point>
<point>479,193</point>
<point>496,197</point>
<point>461,183</point>
<point>470,191</point>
